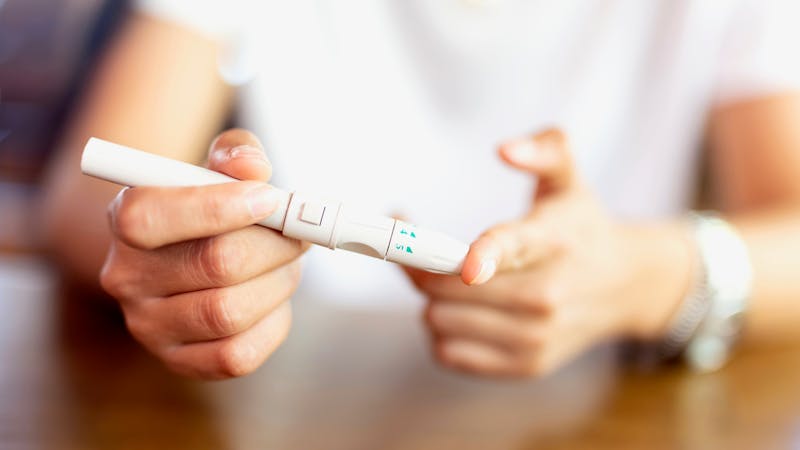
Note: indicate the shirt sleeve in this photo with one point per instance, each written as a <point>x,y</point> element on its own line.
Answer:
<point>231,23</point>
<point>213,18</point>
<point>760,53</point>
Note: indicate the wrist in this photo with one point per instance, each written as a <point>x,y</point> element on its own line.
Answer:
<point>662,266</point>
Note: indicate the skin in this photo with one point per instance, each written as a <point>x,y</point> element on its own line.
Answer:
<point>566,276</point>
<point>141,95</point>
<point>534,292</point>
<point>200,286</point>
<point>201,289</point>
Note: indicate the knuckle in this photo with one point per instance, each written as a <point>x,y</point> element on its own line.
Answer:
<point>439,350</point>
<point>501,232</point>
<point>562,242</point>
<point>442,320</point>
<point>236,360</point>
<point>131,220</point>
<point>430,285</point>
<point>545,306</point>
<point>430,315</point>
<point>217,314</point>
<point>283,250</point>
<point>110,280</point>
<point>532,367</point>
<point>114,279</point>
<point>417,280</point>
<point>521,299</point>
<point>176,366</point>
<point>530,338</point>
<point>294,273</point>
<point>530,370</point>
<point>170,357</point>
<point>140,327</point>
<point>112,283</point>
<point>287,281</point>
<point>547,301</point>
<point>435,319</point>
<point>427,317</point>
<point>221,260</point>
<point>496,234</point>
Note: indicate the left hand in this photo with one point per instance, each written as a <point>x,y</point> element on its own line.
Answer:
<point>537,291</point>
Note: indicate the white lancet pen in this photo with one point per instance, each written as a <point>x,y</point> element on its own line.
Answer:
<point>323,222</point>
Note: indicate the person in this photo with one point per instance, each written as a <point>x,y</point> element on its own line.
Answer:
<point>399,105</point>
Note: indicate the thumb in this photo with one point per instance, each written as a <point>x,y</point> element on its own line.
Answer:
<point>238,153</point>
<point>546,155</point>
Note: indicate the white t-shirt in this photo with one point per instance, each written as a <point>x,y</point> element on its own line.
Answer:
<point>398,105</point>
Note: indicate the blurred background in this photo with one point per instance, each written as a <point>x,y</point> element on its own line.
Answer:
<point>47,48</point>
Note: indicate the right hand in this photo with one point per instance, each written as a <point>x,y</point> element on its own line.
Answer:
<point>199,286</point>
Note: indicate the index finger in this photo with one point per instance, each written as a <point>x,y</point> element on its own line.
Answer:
<point>524,292</point>
<point>506,247</point>
<point>151,217</point>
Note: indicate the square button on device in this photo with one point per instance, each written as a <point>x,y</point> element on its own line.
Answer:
<point>312,213</point>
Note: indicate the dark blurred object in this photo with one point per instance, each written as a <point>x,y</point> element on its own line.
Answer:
<point>17,221</point>
<point>46,50</point>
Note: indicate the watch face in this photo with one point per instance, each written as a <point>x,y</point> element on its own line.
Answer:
<point>707,353</point>
<point>731,325</point>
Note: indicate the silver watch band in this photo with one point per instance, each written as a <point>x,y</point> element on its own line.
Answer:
<point>709,321</point>
<point>729,278</point>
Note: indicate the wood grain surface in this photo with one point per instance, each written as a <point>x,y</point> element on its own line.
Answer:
<point>71,378</point>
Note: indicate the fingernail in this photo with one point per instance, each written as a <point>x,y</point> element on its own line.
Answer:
<point>523,152</point>
<point>488,268</point>
<point>248,152</point>
<point>262,201</point>
<point>528,153</point>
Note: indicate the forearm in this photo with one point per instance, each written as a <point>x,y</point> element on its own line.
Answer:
<point>142,95</point>
<point>773,240</point>
<point>754,159</point>
<point>665,261</point>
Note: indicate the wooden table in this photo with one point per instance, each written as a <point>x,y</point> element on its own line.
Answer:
<point>71,378</point>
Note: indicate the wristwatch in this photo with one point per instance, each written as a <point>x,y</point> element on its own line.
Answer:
<point>709,322</point>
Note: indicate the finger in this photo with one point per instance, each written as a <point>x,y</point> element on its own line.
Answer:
<point>476,357</point>
<point>213,313</point>
<point>517,292</point>
<point>545,155</point>
<point>239,154</point>
<point>512,330</point>
<point>151,217</point>
<point>224,260</point>
<point>507,247</point>
<point>233,356</point>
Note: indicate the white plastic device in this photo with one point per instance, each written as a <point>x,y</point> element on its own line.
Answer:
<point>320,221</point>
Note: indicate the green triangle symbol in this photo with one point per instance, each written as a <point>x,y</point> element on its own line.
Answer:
<point>413,235</point>
<point>408,249</point>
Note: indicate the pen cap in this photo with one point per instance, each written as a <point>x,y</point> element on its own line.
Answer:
<point>129,167</point>
<point>425,249</point>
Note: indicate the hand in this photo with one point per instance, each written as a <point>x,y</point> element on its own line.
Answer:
<point>199,286</point>
<point>537,291</point>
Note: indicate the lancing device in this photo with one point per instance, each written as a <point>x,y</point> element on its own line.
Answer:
<point>320,221</point>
